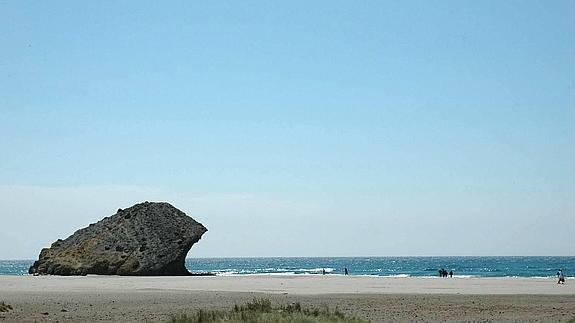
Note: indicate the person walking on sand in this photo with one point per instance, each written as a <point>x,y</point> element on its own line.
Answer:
<point>450,273</point>
<point>561,277</point>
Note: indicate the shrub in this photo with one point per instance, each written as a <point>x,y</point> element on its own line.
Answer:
<point>261,310</point>
<point>4,307</point>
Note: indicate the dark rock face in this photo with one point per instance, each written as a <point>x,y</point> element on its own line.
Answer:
<point>143,240</point>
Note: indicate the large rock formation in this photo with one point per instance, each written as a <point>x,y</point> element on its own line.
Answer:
<point>145,239</point>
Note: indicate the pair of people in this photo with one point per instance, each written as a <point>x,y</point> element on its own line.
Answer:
<point>444,273</point>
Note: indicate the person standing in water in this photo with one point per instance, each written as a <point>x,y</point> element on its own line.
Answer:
<point>345,272</point>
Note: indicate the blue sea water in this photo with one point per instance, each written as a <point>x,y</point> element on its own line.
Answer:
<point>375,266</point>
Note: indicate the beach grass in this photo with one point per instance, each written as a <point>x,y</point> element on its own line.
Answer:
<point>4,307</point>
<point>261,310</point>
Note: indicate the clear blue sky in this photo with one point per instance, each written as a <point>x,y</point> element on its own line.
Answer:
<point>298,128</point>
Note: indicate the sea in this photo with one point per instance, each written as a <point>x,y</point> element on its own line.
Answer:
<point>529,267</point>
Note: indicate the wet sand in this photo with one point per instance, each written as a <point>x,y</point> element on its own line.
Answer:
<point>121,299</point>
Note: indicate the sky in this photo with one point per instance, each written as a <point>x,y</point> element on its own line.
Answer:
<point>294,128</point>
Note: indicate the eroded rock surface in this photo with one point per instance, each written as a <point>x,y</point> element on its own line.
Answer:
<point>143,240</point>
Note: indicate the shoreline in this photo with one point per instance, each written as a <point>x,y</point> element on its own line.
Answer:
<point>217,274</point>
<point>212,274</point>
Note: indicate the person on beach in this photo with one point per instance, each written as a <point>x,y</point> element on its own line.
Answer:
<point>345,272</point>
<point>561,277</point>
<point>323,271</point>
<point>450,273</point>
<point>443,273</point>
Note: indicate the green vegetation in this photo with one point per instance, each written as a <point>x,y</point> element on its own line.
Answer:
<point>4,307</point>
<point>261,310</point>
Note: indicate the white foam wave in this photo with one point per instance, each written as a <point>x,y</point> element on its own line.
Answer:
<point>316,270</point>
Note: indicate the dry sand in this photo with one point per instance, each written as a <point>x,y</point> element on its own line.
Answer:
<point>121,299</point>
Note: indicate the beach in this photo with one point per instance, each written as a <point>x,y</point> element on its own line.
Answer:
<point>379,299</point>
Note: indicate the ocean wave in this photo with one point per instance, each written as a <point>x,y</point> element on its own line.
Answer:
<point>316,270</point>
<point>272,271</point>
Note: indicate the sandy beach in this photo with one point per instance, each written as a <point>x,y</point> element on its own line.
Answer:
<point>114,298</point>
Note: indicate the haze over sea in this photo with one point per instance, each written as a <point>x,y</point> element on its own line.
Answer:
<point>532,267</point>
